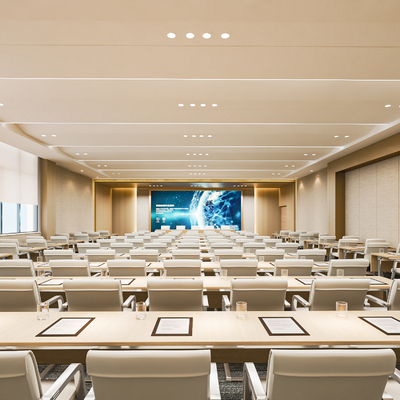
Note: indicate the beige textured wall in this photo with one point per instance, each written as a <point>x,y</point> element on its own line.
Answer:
<point>312,202</point>
<point>74,203</point>
<point>103,201</point>
<point>143,210</point>
<point>373,200</point>
<point>123,210</point>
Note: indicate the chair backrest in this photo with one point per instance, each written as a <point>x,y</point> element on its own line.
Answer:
<point>10,248</point>
<point>305,236</point>
<point>19,375</point>
<point>126,267</point>
<point>165,227</point>
<point>259,294</point>
<point>105,242</point>
<point>69,268</point>
<point>131,235</point>
<point>375,247</point>
<point>394,296</point>
<point>93,294</point>
<point>188,245</point>
<point>182,267</point>
<point>327,239</point>
<point>271,242</point>
<point>325,293</point>
<point>147,255</point>
<point>175,294</point>
<point>16,241</point>
<point>66,234</point>
<point>347,242</point>
<point>104,233</point>
<point>83,247</point>
<point>375,240</point>
<point>270,254</point>
<point>59,239</point>
<point>228,254</point>
<point>240,267</point>
<point>122,247</point>
<point>260,239</point>
<point>100,255</point>
<point>167,241</point>
<point>135,242</point>
<point>350,266</point>
<point>160,247</point>
<point>119,239</point>
<point>311,254</point>
<point>16,268</point>
<point>221,245</point>
<point>39,242</point>
<point>58,254</point>
<point>19,295</point>
<point>186,254</point>
<point>252,247</point>
<point>145,238</point>
<point>288,247</point>
<point>351,237</point>
<point>240,241</point>
<point>294,266</point>
<point>150,374</point>
<point>284,233</point>
<point>82,236</point>
<point>328,374</point>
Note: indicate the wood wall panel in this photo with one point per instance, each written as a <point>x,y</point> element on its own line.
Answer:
<point>368,201</point>
<point>47,198</point>
<point>287,200</point>
<point>268,216</point>
<point>123,210</point>
<point>103,207</point>
<point>352,199</point>
<point>143,210</point>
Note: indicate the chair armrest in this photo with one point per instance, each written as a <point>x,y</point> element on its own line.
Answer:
<point>150,274</point>
<point>215,393</point>
<point>298,299</point>
<point>268,274</point>
<point>396,375</point>
<point>386,396</point>
<point>63,380</point>
<point>90,395</point>
<point>65,306</point>
<point>57,298</point>
<point>319,274</point>
<point>226,303</point>
<point>374,299</point>
<point>205,301</point>
<point>130,301</point>
<point>252,387</point>
<point>287,304</point>
<point>147,302</point>
<point>97,274</point>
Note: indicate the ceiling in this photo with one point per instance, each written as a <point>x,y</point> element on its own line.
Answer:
<point>96,85</point>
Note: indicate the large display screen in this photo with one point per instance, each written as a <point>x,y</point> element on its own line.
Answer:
<point>199,207</point>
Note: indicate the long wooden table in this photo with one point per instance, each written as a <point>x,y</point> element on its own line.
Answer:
<point>6,255</point>
<point>229,338</point>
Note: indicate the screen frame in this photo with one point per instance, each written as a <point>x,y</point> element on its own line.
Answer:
<point>196,190</point>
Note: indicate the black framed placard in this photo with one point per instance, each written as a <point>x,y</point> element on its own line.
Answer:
<point>125,281</point>
<point>305,281</point>
<point>173,326</point>
<point>387,325</point>
<point>66,326</point>
<point>283,326</point>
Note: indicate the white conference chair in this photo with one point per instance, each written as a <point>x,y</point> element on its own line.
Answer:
<point>100,255</point>
<point>105,242</point>
<point>271,242</point>
<point>58,254</point>
<point>322,374</point>
<point>182,267</point>
<point>153,374</point>
<point>227,254</point>
<point>288,247</point>
<point>83,247</point>
<point>393,298</point>
<point>311,254</point>
<point>294,266</point>
<point>121,247</point>
<point>12,248</point>
<point>240,267</point>
<point>350,267</point>
<point>126,267</point>
<point>252,247</point>
<point>17,268</point>
<point>69,268</point>
<point>147,255</point>
<point>270,254</point>
<point>186,254</point>
<point>343,243</point>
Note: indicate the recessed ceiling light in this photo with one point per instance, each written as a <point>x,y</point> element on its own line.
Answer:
<point>205,166</point>
<point>43,135</point>
<point>105,165</point>
<point>200,154</point>
<point>119,173</point>
<point>204,173</point>
<point>295,177</point>
<point>190,35</point>
<point>313,154</point>
<point>184,135</point>
<point>286,166</point>
<point>225,35</point>
<point>311,170</point>
<point>98,165</point>
<point>149,185</point>
<point>273,173</point>
<point>194,154</point>
<point>97,177</point>
<point>195,173</point>
<point>194,165</point>
<point>171,35</point>
<point>293,166</point>
<point>1,104</point>
<point>209,135</point>
<point>193,105</point>
<point>214,105</point>
<point>305,154</point>
<point>279,173</point>
<point>336,136</point>
<point>54,135</point>
<point>85,154</point>
<point>189,165</point>
<point>193,135</point>
<point>388,105</point>
<point>346,136</point>
<point>206,35</point>
<point>180,105</point>
<point>75,153</point>
<point>206,154</point>
<point>202,105</point>
<point>81,170</point>
<point>113,173</point>
<point>201,135</point>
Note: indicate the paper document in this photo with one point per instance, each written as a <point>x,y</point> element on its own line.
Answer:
<point>282,326</point>
<point>173,326</point>
<point>52,282</point>
<point>321,264</point>
<point>388,325</point>
<point>375,282</point>
<point>67,327</point>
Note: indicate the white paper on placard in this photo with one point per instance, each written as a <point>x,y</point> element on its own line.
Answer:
<point>52,282</point>
<point>282,326</point>
<point>386,324</point>
<point>125,281</point>
<point>67,326</point>
<point>173,326</point>
<point>305,281</point>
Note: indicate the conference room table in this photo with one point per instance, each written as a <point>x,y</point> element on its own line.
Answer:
<point>6,255</point>
<point>229,338</point>
<point>383,261</point>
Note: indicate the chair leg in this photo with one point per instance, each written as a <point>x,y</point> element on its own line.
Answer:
<point>229,377</point>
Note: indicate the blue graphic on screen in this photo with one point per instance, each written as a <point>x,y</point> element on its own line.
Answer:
<point>200,207</point>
